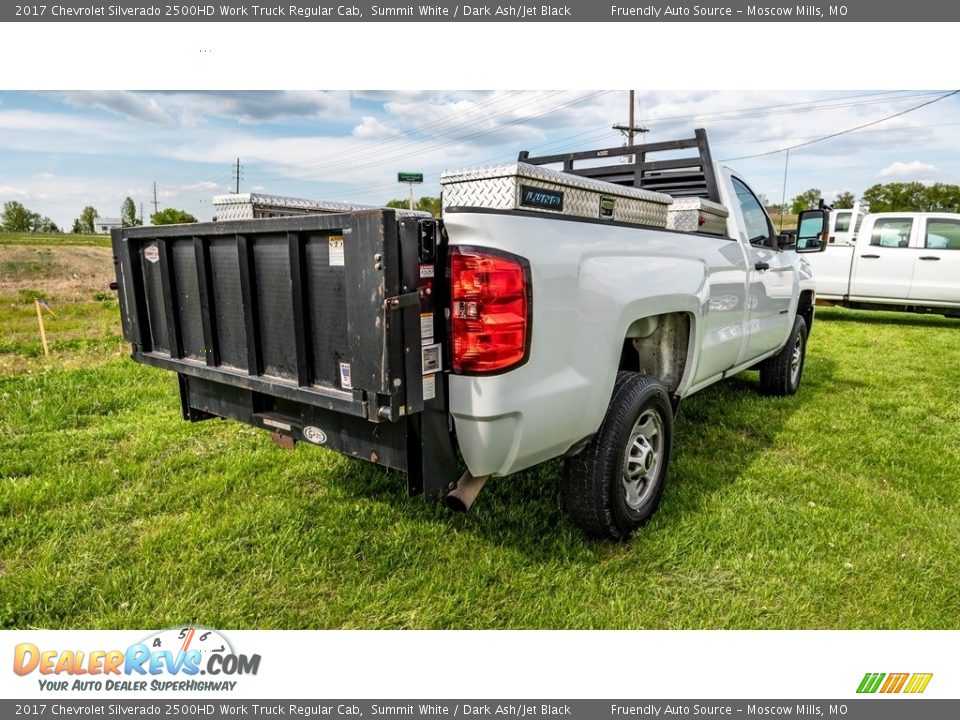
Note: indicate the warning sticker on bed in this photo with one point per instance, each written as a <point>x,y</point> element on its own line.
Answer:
<point>426,328</point>
<point>430,358</point>
<point>336,250</point>
<point>345,381</point>
<point>151,254</point>
<point>430,387</point>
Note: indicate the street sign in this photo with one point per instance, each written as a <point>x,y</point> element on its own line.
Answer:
<point>410,177</point>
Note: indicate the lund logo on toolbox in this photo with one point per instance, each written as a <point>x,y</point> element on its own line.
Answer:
<point>539,198</point>
<point>315,435</point>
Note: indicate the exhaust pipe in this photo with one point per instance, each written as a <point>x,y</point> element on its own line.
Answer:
<point>461,498</point>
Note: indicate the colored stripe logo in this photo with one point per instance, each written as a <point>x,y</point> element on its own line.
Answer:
<point>894,683</point>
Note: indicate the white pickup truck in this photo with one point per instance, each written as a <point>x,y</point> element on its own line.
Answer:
<point>551,313</point>
<point>899,261</point>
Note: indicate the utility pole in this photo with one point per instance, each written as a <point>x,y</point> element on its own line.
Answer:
<point>142,219</point>
<point>631,129</point>
<point>236,176</point>
<point>156,205</point>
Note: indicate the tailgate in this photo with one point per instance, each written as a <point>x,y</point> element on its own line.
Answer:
<point>321,310</point>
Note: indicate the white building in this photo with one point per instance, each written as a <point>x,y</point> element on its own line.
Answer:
<point>103,226</point>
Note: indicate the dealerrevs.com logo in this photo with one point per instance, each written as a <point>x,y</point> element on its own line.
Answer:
<point>891,683</point>
<point>178,659</point>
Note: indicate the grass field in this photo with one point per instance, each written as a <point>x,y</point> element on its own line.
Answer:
<point>838,508</point>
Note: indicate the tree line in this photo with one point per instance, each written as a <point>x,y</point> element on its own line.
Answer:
<point>889,197</point>
<point>15,217</point>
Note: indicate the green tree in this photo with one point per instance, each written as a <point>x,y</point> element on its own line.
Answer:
<point>128,214</point>
<point>942,197</point>
<point>16,218</point>
<point>896,197</point>
<point>805,201</point>
<point>88,218</point>
<point>43,224</point>
<point>425,203</point>
<point>171,216</point>
<point>844,200</point>
<point>77,228</point>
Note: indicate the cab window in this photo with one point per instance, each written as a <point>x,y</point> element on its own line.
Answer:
<point>891,232</point>
<point>942,234</point>
<point>843,222</point>
<point>755,219</point>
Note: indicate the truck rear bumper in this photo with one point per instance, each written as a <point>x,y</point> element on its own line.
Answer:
<point>513,421</point>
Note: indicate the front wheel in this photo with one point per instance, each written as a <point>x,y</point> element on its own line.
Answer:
<point>780,374</point>
<point>614,485</point>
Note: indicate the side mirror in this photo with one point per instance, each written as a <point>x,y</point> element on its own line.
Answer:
<point>787,239</point>
<point>813,227</point>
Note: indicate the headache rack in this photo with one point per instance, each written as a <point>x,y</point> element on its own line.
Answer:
<point>680,177</point>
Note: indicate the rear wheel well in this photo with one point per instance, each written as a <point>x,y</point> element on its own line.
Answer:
<point>658,346</point>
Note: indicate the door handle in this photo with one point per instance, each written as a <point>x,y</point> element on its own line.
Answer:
<point>929,257</point>
<point>762,266</point>
<point>870,257</point>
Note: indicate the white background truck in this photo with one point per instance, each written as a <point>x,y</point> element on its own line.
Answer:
<point>551,313</point>
<point>900,261</point>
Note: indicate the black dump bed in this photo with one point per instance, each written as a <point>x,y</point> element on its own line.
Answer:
<point>313,327</point>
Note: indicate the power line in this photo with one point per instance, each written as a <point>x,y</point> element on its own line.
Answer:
<point>844,132</point>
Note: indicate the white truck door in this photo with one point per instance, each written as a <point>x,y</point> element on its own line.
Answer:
<point>883,259</point>
<point>770,278</point>
<point>936,272</point>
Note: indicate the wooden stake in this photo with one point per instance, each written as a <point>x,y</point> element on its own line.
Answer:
<point>43,332</point>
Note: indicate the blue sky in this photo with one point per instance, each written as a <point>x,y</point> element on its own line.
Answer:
<point>60,151</point>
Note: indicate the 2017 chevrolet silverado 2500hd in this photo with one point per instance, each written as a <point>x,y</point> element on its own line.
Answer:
<point>551,313</point>
<point>900,261</point>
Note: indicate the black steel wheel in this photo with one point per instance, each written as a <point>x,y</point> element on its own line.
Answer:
<point>615,484</point>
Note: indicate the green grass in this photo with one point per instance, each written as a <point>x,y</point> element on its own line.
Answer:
<point>54,239</point>
<point>837,508</point>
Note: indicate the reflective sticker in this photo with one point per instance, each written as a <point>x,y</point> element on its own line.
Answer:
<point>345,381</point>
<point>426,328</point>
<point>151,254</point>
<point>426,271</point>
<point>336,250</point>
<point>315,435</point>
<point>277,424</point>
<point>430,355</point>
<point>430,387</point>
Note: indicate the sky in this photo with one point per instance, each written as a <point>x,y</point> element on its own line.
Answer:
<point>61,151</point>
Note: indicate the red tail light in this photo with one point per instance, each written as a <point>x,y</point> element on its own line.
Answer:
<point>490,310</point>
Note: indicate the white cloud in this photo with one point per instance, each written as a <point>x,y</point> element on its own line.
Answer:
<point>914,170</point>
<point>122,102</point>
<point>199,186</point>
<point>7,190</point>
<point>191,109</point>
<point>372,128</point>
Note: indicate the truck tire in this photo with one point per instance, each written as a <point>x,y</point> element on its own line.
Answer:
<point>780,375</point>
<point>614,485</point>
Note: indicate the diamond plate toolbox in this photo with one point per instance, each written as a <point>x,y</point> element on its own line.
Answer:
<point>697,215</point>
<point>520,186</point>
<point>247,206</point>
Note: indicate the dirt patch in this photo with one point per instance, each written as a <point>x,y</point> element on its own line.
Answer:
<point>67,273</point>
